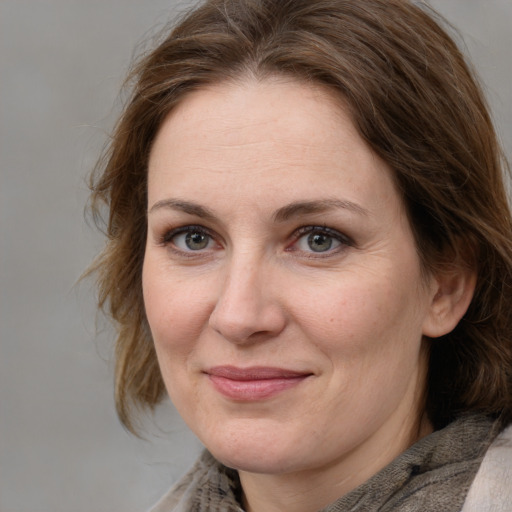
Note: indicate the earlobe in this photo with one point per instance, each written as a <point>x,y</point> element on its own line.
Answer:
<point>452,292</point>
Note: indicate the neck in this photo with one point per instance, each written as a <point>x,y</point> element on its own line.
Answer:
<point>312,490</point>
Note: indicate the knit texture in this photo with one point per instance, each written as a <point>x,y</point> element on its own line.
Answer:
<point>434,475</point>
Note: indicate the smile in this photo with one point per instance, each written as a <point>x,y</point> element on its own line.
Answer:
<point>255,383</point>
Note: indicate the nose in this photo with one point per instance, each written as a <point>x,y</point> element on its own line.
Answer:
<point>247,309</point>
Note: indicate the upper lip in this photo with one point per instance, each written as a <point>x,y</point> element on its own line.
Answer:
<point>254,373</point>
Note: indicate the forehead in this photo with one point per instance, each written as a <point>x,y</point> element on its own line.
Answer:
<point>231,113</point>
<point>254,136</point>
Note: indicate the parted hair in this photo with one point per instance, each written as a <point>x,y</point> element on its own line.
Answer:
<point>413,99</point>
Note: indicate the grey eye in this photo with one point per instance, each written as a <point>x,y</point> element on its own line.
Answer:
<point>192,240</point>
<point>319,242</point>
<point>196,241</point>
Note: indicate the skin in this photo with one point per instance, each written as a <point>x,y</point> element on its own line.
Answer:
<point>254,290</point>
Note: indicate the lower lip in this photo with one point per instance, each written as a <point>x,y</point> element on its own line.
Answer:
<point>254,390</point>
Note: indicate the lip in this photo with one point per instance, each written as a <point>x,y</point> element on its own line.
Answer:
<point>253,383</point>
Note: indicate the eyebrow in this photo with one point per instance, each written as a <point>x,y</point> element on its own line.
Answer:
<point>184,206</point>
<point>283,214</point>
<point>311,207</point>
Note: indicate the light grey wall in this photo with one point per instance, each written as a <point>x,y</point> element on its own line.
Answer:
<point>61,65</point>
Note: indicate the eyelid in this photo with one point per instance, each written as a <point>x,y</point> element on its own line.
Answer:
<point>168,235</point>
<point>305,230</point>
<point>344,240</point>
<point>166,240</point>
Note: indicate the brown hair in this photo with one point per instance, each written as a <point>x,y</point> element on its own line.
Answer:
<point>415,102</point>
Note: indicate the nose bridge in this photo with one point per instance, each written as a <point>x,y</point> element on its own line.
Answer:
<point>246,305</point>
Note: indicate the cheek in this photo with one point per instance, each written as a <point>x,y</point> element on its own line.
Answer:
<point>176,311</point>
<point>365,320</point>
<point>177,314</point>
<point>370,337</point>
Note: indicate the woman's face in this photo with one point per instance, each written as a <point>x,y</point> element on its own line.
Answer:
<point>281,282</point>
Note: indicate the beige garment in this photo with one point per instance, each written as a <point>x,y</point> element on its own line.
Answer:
<point>491,490</point>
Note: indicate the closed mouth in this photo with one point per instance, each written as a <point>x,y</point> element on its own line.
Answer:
<point>254,383</point>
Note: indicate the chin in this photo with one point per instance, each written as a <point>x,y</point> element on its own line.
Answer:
<point>257,452</point>
<point>254,461</point>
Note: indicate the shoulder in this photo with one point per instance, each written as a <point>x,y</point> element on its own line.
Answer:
<point>208,486</point>
<point>176,498</point>
<point>491,490</point>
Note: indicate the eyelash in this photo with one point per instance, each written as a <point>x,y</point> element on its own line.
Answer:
<point>167,238</point>
<point>344,241</point>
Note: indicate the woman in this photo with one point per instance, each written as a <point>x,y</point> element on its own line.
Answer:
<point>309,249</point>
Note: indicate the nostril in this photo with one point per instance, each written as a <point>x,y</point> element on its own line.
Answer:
<point>246,309</point>
<point>249,325</point>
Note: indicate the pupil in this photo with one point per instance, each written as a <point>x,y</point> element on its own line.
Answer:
<point>319,243</point>
<point>196,241</point>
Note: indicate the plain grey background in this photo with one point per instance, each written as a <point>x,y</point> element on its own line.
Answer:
<point>61,66</point>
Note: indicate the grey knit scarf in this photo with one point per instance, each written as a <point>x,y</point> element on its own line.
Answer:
<point>434,475</point>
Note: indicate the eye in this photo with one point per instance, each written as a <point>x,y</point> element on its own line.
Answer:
<point>190,238</point>
<point>315,239</point>
<point>317,242</point>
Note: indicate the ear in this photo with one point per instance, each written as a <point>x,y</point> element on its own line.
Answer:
<point>452,291</point>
